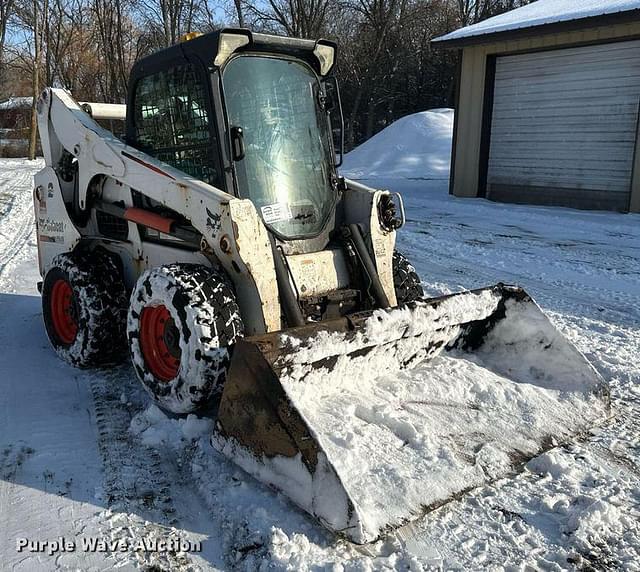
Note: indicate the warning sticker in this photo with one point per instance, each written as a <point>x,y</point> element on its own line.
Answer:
<point>276,212</point>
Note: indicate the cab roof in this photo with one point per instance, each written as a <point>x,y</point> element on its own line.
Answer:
<point>205,47</point>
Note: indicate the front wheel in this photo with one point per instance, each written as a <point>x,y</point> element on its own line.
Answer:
<point>183,321</point>
<point>405,280</point>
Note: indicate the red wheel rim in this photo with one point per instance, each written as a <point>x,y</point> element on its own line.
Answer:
<point>63,311</point>
<point>159,341</point>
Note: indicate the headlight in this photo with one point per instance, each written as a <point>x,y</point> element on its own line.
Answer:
<point>391,211</point>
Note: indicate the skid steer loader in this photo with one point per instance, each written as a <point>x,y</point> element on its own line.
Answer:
<point>218,241</point>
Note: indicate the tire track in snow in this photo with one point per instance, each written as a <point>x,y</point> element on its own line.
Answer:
<point>17,222</point>
<point>16,244</point>
<point>11,459</point>
<point>136,480</point>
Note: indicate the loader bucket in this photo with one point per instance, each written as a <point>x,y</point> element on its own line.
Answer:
<point>370,421</point>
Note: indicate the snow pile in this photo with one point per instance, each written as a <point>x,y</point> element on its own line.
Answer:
<point>415,147</point>
<point>391,445</point>
<point>543,12</point>
<point>155,429</point>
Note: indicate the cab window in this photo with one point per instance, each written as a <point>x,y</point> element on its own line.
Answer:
<point>172,122</point>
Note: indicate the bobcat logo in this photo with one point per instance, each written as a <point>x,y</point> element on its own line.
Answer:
<point>213,222</point>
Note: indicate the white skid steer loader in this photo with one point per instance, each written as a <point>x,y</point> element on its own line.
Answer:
<point>218,241</point>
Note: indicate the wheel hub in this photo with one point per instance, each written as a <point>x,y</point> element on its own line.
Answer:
<point>64,313</point>
<point>160,342</point>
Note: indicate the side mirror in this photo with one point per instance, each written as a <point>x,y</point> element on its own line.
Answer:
<point>237,144</point>
<point>336,119</point>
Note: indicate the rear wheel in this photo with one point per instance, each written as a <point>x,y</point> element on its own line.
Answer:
<point>84,309</point>
<point>183,321</point>
<point>405,279</point>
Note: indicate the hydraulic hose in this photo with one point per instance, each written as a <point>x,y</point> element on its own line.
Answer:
<point>288,299</point>
<point>369,267</point>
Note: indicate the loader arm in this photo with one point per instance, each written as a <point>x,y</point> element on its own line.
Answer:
<point>232,232</point>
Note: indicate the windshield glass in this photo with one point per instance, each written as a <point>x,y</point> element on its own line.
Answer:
<point>288,160</point>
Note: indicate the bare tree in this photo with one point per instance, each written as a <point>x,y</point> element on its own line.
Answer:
<point>38,15</point>
<point>167,20</point>
<point>117,42</point>
<point>368,58</point>
<point>30,16</point>
<point>239,12</point>
<point>6,12</point>
<point>472,11</point>
<point>297,18</point>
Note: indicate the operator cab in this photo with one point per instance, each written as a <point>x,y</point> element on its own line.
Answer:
<point>251,114</point>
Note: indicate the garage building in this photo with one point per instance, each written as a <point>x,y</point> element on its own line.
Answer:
<point>548,104</point>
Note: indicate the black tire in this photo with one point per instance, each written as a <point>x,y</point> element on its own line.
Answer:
<point>405,280</point>
<point>93,332</point>
<point>192,313</point>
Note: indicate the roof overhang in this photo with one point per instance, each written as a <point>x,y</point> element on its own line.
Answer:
<point>538,30</point>
<point>215,48</point>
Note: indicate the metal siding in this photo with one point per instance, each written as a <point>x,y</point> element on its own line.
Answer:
<point>566,119</point>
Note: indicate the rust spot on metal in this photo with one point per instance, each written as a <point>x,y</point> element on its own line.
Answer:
<point>147,165</point>
<point>225,244</point>
<point>204,246</point>
<point>139,264</point>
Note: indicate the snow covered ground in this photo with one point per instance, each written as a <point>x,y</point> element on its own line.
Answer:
<point>83,455</point>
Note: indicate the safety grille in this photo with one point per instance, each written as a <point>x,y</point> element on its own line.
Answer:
<point>172,122</point>
<point>111,226</point>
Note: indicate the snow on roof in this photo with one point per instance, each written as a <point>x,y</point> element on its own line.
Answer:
<point>540,13</point>
<point>16,103</point>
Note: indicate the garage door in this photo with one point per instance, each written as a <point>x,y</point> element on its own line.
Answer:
<point>563,126</point>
